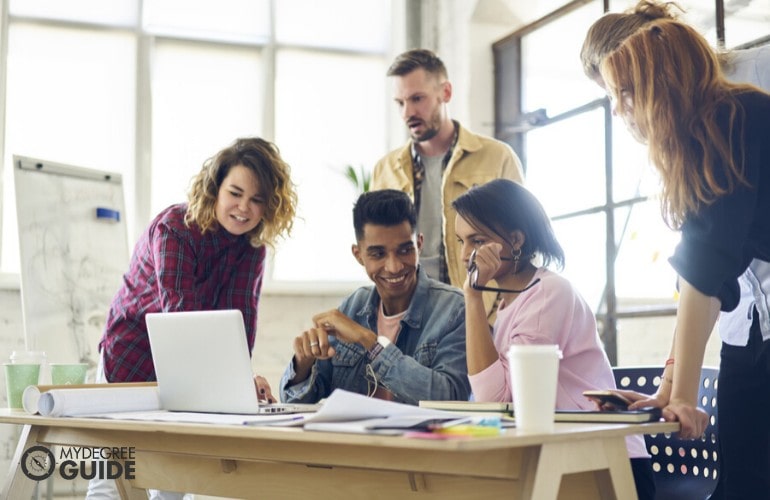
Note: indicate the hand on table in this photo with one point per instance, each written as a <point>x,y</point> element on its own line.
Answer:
<point>693,420</point>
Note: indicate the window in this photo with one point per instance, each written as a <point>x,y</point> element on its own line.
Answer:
<point>572,152</point>
<point>70,98</point>
<point>152,88</point>
<point>548,65</point>
<point>244,20</point>
<point>195,113</point>
<point>324,124</point>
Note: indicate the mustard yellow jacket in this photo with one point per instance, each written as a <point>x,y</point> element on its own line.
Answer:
<point>476,159</point>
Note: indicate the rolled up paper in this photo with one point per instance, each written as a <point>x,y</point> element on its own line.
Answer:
<point>32,394</point>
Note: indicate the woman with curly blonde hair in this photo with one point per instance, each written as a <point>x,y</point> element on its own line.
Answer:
<point>208,253</point>
<point>708,140</point>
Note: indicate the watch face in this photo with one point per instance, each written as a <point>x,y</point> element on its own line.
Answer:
<point>37,463</point>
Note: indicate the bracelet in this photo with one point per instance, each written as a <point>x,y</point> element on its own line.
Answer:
<point>374,351</point>
<point>669,361</point>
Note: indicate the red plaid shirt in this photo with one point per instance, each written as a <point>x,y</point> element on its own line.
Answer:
<point>176,268</point>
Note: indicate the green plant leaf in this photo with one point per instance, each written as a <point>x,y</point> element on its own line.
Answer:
<point>360,177</point>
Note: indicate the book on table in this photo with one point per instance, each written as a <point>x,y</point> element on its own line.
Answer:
<point>506,409</point>
<point>615,416</point>
<point>470,406</point>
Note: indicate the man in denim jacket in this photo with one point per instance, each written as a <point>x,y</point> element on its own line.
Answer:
<point>402,339</point>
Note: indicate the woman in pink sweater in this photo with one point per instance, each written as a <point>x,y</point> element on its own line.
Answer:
<point>502,229</point>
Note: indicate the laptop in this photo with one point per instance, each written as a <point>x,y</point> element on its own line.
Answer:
<point>202,364</point>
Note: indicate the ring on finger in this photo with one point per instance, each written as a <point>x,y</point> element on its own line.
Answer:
<point>313,344</point>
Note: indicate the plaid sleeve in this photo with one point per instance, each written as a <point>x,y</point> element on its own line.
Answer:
<point>175,262</point>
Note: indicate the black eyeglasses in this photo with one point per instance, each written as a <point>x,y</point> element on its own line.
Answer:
<point>473,273</point>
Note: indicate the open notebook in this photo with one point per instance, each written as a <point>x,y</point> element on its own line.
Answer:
<point>202,364</point>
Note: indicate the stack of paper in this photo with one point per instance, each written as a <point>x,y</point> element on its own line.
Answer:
<point>346,411</point>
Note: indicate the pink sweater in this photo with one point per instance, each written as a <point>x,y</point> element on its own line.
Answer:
<point>552,312</point>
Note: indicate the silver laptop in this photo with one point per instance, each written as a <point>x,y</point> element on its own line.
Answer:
<point>202,364</point>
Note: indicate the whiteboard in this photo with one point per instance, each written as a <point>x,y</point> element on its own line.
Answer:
<point>74,250</point>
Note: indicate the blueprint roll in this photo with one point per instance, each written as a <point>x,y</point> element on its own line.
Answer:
<point>31,397</point>
<point>91,401</point>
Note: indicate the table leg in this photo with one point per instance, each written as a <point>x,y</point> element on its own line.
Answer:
<point>606,459</point>
<point>17,485</point>
<point>128,492</point>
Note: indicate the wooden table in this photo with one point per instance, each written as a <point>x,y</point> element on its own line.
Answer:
<point>575,461</point>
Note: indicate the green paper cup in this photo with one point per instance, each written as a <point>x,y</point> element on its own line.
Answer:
<point>68,373</point>
<point>17,378</point>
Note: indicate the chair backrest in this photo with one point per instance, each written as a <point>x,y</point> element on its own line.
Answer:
<point>682,468</point>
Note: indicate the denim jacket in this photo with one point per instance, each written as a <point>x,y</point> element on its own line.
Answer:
<point>426,362</point>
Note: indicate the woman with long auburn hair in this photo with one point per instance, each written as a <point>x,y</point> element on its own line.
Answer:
<point>708,139</point>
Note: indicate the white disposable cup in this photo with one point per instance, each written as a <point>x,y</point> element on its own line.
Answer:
<point>534,371</point>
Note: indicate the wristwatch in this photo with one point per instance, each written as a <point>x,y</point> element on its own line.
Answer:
<point>382,343</point>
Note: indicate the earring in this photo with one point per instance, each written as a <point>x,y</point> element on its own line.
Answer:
<point>516,255</point>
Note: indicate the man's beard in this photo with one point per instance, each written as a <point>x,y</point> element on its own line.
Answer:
<point>427,135</point>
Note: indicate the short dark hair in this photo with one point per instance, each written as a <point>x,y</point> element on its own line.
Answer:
<point>503,207</point>
<point>384,207</point>
<point>410,60</point>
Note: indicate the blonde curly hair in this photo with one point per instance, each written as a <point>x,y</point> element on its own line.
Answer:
<point>264,160</point>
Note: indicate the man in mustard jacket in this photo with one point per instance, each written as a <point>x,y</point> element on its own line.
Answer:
<point>441,161</point>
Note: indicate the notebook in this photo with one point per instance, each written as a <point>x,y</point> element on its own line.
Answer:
<point>617,416</point>
<point>470,406</point>
<point>202,364</point>
<point>506,409</point>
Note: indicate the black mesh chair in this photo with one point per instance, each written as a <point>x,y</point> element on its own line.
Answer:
<point>683,468</point>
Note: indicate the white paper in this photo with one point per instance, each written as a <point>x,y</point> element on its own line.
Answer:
<point>346,411</point>
<point>30,398</point>
<point>202,418</point>
<point>80,402</point>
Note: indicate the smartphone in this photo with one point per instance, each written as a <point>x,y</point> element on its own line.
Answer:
<point>607,399</point>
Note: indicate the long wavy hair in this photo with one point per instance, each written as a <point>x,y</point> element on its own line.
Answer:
<point>265,162</point>
<point>681,103</point>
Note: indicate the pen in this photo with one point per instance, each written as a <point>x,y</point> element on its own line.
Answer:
<point>282,420</point>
